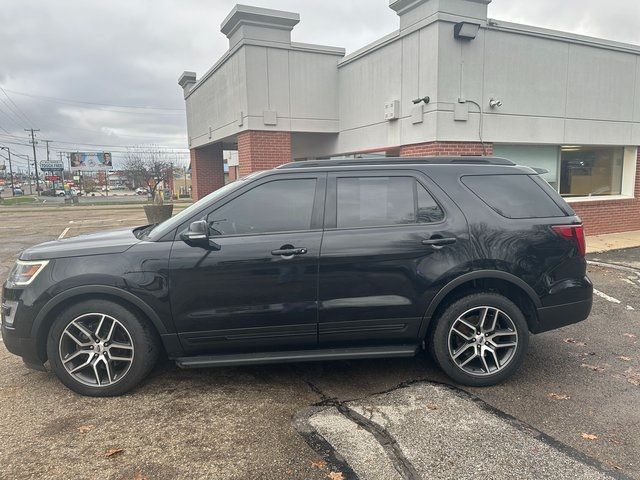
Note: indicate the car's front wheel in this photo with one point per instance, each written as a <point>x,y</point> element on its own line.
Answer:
<point>480,340</point>
<point>100,348</point>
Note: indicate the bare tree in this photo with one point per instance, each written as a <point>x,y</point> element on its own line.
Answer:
<point>148,166</point>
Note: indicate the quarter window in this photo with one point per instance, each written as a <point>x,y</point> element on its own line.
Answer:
<point>381,201</point>
<point>278,206</point>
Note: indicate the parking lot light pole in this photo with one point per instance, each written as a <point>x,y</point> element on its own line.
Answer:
<point>13,192</point>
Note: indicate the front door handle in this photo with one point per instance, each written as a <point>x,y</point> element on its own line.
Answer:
<point>288,252</point>
<point>439,242</point>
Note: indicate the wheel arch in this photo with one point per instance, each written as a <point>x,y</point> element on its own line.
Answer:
<point>57,304</point>
<point>504,283</point>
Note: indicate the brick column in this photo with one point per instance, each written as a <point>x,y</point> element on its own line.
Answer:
<point>207,170</point>
<point>449,149</point>
<point>261,150</point>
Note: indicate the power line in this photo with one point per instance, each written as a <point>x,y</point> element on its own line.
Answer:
<point>13,120</point>
<point>24,115</point>
<point>68,100</point>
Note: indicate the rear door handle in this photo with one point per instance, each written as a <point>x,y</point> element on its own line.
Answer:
<point>288,252</point>
<point>439,242</point>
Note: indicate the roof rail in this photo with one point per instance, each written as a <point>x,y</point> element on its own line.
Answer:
<point>398,161</point>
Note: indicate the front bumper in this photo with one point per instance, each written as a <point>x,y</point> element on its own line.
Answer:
<point>23,347</point>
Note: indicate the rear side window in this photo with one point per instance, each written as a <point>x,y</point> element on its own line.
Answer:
<point>384,201</point>
<point>513,196</point>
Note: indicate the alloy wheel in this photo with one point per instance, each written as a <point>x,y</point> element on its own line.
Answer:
<point>96,349</point>
<point>482,341</point>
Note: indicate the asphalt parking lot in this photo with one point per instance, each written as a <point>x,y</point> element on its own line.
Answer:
<point>571,412</point>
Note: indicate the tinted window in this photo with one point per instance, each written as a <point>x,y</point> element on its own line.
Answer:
<point>513,196</point>
<point>278,206</point>
<point>377,201</point>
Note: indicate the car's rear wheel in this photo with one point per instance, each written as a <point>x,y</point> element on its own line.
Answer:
<point>100,348</point>
<point>480,340</point>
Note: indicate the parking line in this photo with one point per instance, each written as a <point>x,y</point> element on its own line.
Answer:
<point>64,232</point>
<point>606,297</point>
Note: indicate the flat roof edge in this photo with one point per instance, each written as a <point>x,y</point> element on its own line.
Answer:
<point>561,35</point>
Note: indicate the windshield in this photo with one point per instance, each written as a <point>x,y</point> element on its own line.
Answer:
<point>158,231</point>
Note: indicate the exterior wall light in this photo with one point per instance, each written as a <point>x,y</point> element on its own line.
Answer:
<point>493,103</point>
<point>466,30</point>
<point>424,100</point>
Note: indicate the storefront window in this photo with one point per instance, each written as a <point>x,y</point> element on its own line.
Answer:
<point>589,171</point>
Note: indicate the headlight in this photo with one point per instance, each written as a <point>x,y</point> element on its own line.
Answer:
<point>24,273</point>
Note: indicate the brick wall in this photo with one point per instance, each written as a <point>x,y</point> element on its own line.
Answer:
<point>432,149</point>
<point>611,216</point>
<point>261,150</point>
<point>207,170</point>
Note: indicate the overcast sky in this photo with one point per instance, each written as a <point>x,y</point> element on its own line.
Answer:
<point>130,53</point>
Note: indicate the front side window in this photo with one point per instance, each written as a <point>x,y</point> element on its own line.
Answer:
<point>384,201</point>
<point>589,171</point>
<point>277,206</point>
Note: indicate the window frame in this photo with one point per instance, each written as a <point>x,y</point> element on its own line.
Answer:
<point>331,204</point>
<point>317,212</point>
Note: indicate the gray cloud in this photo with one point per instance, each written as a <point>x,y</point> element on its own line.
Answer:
<point>131,53</point>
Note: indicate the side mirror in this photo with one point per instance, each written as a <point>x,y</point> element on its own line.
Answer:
<point>198,235</point>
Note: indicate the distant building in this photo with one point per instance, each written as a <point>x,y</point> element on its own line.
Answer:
<point>449,81</point>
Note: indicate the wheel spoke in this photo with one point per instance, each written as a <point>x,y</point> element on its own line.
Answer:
<point>81,366</point>
<point>494,322</point>
<point>495,357</point>
<point>475,355</point>
<point>95,371</point>
<point>77,340</point>
<point>484,360</point>
<point>97,333</point>
<point>458,332</point>
<point>120,359</point>
<point>110,334</point>
<point>464,322</point>
<point>121,346</point>
<point>503,345</point>
<point>502,333</point>
<point>76,355</point>
<point>463,349</point>
<point>107,366</point>
<point>483,318</point>
<point>80,327</point>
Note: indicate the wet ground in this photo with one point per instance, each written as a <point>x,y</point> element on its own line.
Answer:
<point>571,410</point>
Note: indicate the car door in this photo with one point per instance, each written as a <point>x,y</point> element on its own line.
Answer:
<point>387,240</point>
<point>257,289</point>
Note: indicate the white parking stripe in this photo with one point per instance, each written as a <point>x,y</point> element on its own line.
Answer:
<point>605,296</point>
<point>64,232</point>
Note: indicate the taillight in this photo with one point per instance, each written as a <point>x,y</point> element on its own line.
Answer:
<point>574,233</point>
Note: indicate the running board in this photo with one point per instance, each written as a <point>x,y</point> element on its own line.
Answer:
<point>328,354</point>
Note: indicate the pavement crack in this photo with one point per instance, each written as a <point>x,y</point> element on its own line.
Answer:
<point>390,446</point>
<point>400,462</point>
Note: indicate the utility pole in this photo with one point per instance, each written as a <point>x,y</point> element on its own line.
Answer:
<point>13,188</point>
<point>62,162</point>
<point>35,160</point>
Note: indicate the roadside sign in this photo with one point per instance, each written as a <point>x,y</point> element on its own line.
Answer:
<point>52,178</point>
<point>52,166</point>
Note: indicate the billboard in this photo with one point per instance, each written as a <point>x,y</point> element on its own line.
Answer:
<point>91,161</point>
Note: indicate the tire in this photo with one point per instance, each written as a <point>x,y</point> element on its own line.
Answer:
<point>454,337</point>
<point>111,362</point>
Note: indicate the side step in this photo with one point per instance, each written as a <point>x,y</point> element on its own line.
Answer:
<point>237,359</point>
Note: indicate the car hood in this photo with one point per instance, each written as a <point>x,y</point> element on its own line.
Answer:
<point>111,241</point>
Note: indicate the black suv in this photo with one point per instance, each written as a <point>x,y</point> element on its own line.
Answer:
<point>315,260</point>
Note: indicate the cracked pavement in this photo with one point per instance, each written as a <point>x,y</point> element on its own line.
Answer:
<point>242,422</point>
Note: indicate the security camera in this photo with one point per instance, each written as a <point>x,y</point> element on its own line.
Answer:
<point>420,100</point>
<point>495,103</point>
